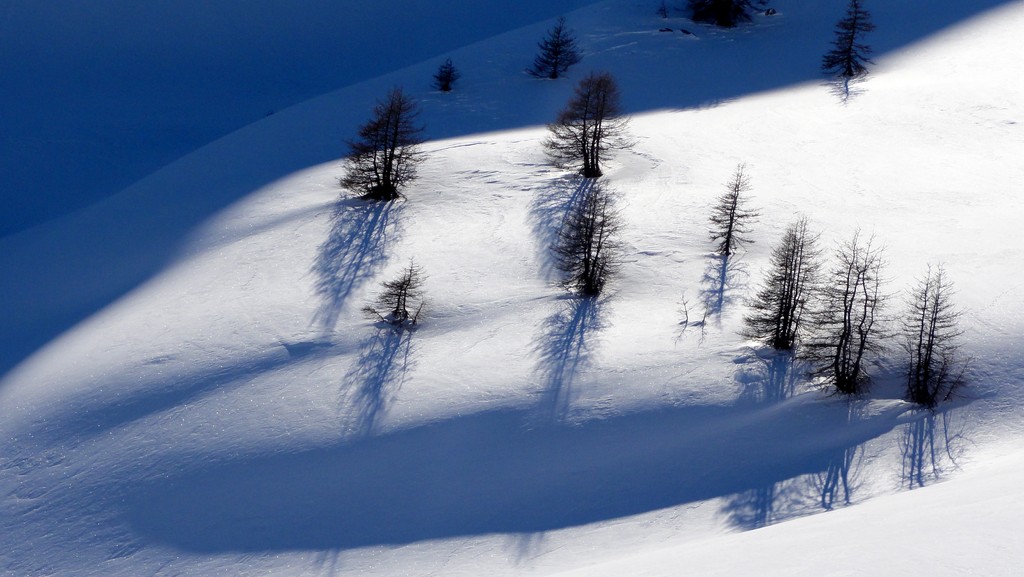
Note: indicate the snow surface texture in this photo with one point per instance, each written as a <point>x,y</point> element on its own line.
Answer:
<point>223,407</point>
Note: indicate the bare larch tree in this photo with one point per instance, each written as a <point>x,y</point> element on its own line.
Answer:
<point>731,218</point>
<point>847,326</point>
<point>777,310</point>
<point>591,124</point>
<point>385,154</point>
<point>587,248</point>
<point>931,333</point>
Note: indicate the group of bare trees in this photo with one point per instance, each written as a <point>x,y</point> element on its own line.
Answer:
<point>591,124</point>
<point>834,319</point>
<point>837,319</point>
<point>383,158</point>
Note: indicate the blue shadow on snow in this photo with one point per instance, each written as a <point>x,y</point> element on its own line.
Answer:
<point>490,473</point>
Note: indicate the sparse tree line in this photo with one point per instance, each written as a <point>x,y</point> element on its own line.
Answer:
<point>833,314</point>
<point>836,316</point>
<point>846,60</point>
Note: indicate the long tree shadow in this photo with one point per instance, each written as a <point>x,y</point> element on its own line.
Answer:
<point>929,446</point>
<point>766,504</point>
<point>486,473</point>
<point>354,251</point>
<point>548,212</point>
<point>832,484</point>
<point>772,379</point>
<point>838,482</point>
<point>375,378</point>
<point>723,276</point>
<point>564,351</point>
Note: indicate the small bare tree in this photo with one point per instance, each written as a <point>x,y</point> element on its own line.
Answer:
<point>730,218</point>
<point>558,51</point>
<point>587,246</point>
<point>446,76</point>
<point>590,124</point>
<point>385,155</point>
<point>401,301</point>
<point>931,333</point>
<point>847,327</point>
<point>777,314</point>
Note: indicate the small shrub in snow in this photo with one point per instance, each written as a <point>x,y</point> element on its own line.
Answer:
<point>401,301</point>
<point>446,75</point>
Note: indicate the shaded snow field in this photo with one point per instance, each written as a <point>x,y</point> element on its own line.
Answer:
<point>230,411</point>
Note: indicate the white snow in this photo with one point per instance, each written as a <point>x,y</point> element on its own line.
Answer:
<point>190,387</point>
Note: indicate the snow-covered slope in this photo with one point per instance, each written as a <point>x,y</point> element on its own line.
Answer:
<point>964,527</point>
<point>230,411</point>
